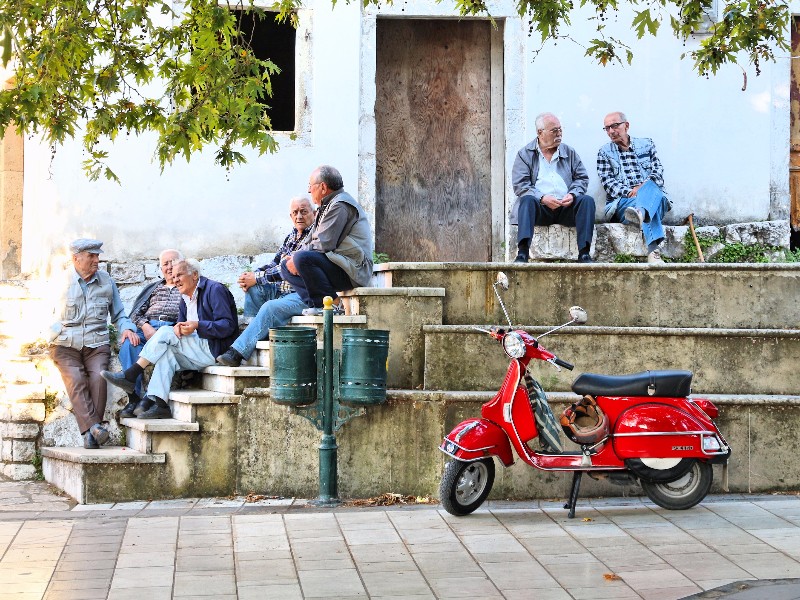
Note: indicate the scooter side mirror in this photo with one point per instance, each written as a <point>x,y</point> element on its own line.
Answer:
<point>578,315</point>
<point>502,280</point>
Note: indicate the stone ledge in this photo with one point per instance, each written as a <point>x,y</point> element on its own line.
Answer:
<point>337,320</point>
<point>237,371</point>
<point>191,396</point>
<point>603,330</point>
<point>398,291</point>
<point>114,455</point>
<point>161,425</point>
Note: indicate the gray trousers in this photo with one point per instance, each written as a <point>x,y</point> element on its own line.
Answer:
<point>80,370</point>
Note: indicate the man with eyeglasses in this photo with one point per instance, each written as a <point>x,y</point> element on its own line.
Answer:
<point>279,310</point>
<point>550,182</point>
<point>633,178</point>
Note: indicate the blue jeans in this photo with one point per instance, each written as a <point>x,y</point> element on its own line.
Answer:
<point>129,354</point>
<point>318,277</point>
<point>274,313</point>
<point>257,295</point>
<point>652,201</point>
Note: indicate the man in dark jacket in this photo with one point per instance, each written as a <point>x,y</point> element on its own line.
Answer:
<point>207,326</point>
<point>156,306</point>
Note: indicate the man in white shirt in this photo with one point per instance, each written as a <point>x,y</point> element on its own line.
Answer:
<point>550,182</point>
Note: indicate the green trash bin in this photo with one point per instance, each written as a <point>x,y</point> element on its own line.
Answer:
<point>362,375</point>
<point>293,365</point>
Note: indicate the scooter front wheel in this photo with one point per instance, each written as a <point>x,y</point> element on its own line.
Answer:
<point>465,485</point>
<point>685,491</point>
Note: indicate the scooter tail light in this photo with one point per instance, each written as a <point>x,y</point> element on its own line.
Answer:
<point>707,407</point>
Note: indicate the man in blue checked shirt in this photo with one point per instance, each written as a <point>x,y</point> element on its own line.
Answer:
<point>633,178</point>
<point>270,301</point>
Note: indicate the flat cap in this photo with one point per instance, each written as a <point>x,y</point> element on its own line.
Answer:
<point>86,245</point>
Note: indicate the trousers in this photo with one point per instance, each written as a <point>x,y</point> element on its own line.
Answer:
<point>317,277</point>
<point>652,201</point>
<point>274,313</point>
<point>579,214</point>
<point>170,354</point>
<point>129,354</point>
<point>80,370</point>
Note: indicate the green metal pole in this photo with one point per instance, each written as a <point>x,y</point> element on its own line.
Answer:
<point>328,492</point>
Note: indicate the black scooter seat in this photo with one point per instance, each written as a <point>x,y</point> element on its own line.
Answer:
<point>659,384</point>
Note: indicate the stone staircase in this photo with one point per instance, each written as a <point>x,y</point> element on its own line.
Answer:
<point>735,326</point>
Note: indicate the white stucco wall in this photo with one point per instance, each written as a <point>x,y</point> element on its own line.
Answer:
<point>725,151</point>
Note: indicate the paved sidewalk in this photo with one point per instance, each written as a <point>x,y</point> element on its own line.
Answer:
<point>284,549</point>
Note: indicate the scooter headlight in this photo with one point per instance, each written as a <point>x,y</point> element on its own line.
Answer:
<point>514,345</point>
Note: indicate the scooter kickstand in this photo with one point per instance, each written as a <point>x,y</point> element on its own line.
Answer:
<point>573,494</point>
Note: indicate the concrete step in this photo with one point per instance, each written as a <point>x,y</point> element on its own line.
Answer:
<point>232,380</point>
<point>184,403</point>
<point>17,369</point>
<point>110,474</point>
<point>615,295</point>
<point>260,357</point>
<point>724,361</point>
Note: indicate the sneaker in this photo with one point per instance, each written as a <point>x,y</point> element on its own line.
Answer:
<point>230,359</point>
<point>634,216</point>
<point>144,405</point>
<point>118,379</point>
<point>654,258</point>
<point>127,412</point>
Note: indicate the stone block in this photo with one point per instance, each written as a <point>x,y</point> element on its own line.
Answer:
<point>259,260</point>
<point>6,450</point>
<point>768,233</point>
<point>19,472</point>
<point>676,240</point>
<point>615,238</point>
<point>123,273</point>
<point>226,270</point>
<point>27,411</point>
<point>22,392</point>
<point>19,431</point>
<point>23,450</point>
<point>152,270</point>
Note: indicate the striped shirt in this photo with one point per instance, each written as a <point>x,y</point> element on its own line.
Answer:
<point>162,306</point>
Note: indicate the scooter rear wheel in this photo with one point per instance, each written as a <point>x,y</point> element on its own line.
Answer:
<point>465,485</point>
<point>685,491</point>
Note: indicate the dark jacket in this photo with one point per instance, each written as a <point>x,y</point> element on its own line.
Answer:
<point>216,311</point>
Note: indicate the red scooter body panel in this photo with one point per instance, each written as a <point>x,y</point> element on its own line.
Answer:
<point>661,430</point>
<point>474,439</point>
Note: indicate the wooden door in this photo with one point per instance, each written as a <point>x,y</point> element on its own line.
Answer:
<point>432,116</point>
<point>794,135</point>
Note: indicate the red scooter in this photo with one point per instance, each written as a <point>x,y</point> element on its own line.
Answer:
<point>628,427</point>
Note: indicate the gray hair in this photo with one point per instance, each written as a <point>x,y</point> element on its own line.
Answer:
<point>330,177</point>
<point>177,253</point>
<point>539,122</point>
<point>305,199</point>
<point>192,265</point>
<point>620,116</point>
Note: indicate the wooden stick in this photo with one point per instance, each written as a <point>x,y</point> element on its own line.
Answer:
<point>694,236</point>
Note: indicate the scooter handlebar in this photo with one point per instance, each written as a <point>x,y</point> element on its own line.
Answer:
<point>563,363</point>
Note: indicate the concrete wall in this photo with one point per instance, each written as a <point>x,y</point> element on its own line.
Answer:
<point>725,150</point>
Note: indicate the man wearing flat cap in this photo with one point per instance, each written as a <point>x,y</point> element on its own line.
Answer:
<point>79,338</point>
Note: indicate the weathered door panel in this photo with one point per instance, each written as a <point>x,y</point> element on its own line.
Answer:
<point>432,113</point>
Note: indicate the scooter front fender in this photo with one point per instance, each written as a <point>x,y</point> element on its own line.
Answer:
<point>475,439</point>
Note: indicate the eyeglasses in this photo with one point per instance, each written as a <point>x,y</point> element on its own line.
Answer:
<point>554,131</point>
<point>608,128</point>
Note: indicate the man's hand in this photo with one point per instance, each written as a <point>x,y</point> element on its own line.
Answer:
<point>568,199</point>
<point>131,336</point>
<point>290,266</point>
<point>185,328</point>
<point>551,202</point>
<point>148,330</point>
<point>246,280</point>
<point>635,190</point>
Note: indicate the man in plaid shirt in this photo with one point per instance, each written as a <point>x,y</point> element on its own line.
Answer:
<point>270,301</point>
<point>633,178</point>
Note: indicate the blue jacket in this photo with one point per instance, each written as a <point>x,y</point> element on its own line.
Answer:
<point>216,311</point>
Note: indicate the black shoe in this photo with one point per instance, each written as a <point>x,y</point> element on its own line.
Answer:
<point>99,433</point>
<point>584,258</point>
<point>144,404</point>
<point>127,412</point>
<point>118,379</point>
<point>159,410</point>
<point>522,257</point>
<point>230,359</point>
<point>89,442</point>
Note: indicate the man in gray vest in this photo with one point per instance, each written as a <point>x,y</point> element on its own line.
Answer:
<point>339,254</point>
<point>79,337</point>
